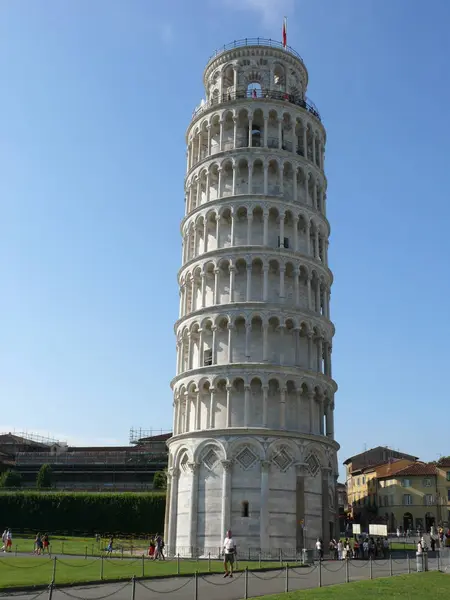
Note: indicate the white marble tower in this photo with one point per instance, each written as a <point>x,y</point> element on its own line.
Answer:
<point>253,446</point>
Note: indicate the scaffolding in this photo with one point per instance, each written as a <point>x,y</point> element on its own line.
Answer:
<point>136,435</point>
<point>34,437</point>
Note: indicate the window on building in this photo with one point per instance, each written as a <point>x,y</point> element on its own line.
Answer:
<point>448,495</point>
<point>448,475</point>
<point>407,499</point>
<point>429,499</point>
<point>207,358</point>
<point>363,480</point>
<point>357,481</point>
<point>285,243</point>
<point>406,483</point>
<point>380,500</point>
<point>245,508</point>
<point>382,484</point>
<point>427,482</point>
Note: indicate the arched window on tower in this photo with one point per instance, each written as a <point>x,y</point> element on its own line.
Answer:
<point>254,90</point>
<point>245,509</point>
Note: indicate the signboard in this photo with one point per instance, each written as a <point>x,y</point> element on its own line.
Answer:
<point>378,530</point>
<point>356,529</point>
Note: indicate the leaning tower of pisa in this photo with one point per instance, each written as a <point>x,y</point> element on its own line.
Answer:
<point>253,444</point>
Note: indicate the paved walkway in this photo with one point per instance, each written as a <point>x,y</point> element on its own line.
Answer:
<point>214,586</point>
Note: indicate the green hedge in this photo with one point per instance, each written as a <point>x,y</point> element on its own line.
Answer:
<point>71,512</point>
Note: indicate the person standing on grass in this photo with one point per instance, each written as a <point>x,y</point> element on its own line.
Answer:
<point>45,544</point>
<point>229,551</point>
<point>109,547</point>
<point>9,541</point>
<point>159,548</point>
<point>4,538</point>
<point>38,545</point>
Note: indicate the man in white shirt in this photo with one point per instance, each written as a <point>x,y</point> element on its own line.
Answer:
<point>229,550</point>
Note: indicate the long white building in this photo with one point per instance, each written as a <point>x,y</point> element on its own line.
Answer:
<point>253,446</point>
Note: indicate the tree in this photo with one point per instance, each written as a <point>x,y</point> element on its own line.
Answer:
<point>10,479</point>
<point>44,477</point>
<point>160,480</point>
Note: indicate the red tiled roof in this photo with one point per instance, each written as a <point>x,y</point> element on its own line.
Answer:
<point>418,469</point>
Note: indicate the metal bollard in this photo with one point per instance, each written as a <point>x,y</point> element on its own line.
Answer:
<point>101,568</point>
<point>281,556</point>
<point>54,570</point>
<point>85,553</point>
<point>62,547</point>
<point>286,584</point>
<point>122,552</point>
<point>391,571</point>
<point>246,583</point>
<point>133,587</point>
<point>347,574</point>
<point>50,591</point>
<point>409,565</point>
<point>370,568</point>
<point>195,586</point>
<point>438,560</point>
<point>143,565</point>
<point>178,563</point>
<point>320,573</point>
<point>259,560</point>
<point>209,562</point>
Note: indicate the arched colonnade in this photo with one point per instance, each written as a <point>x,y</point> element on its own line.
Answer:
<point>253,279</point>
<point>257,338</point>
<point>272,403</point>
<point>275,127</point>
<point>258,225</point>
<point>247,175</point>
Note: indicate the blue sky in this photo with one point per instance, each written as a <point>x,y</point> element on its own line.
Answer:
<point>95,101</point>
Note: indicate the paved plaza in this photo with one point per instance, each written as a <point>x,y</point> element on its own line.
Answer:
<point>214,586</point>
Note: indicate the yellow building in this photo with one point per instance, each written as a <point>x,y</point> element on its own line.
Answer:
<point>409,498</point>
<point>443,516</point>
<point>361,481</point>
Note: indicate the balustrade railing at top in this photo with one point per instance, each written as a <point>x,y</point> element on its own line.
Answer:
<point>256,94</point>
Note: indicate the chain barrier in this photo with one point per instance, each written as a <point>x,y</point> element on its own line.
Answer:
<point>232,580</point>
<point>277,574</point>
<point>303,571</point>
<point>85,564</point>
<point>147,587</point>
<point>69,595</point>
<point>120,563</point>
<point>381,564</point>
<point>42,564</point>
<point>341,566</point>
<point>359,566</point>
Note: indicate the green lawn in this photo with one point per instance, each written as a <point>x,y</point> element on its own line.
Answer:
<point>81,545</point>
<point>39,570</point>
<point>418,586</point>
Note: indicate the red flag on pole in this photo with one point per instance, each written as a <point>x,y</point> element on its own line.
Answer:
<point>284,32</point>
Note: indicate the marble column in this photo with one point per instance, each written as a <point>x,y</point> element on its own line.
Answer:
<point>212,407</point>
<point>174,475</point>
<point>193,510</point>
<point>264,514</point>
<point>311,412</point>
<point>232,275</point>
<point>265,390</point>
<point>226,497</point>
<point>283,408</point>
<point>229,397</point>
<point>230,328</point>
<point>247,391</point>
